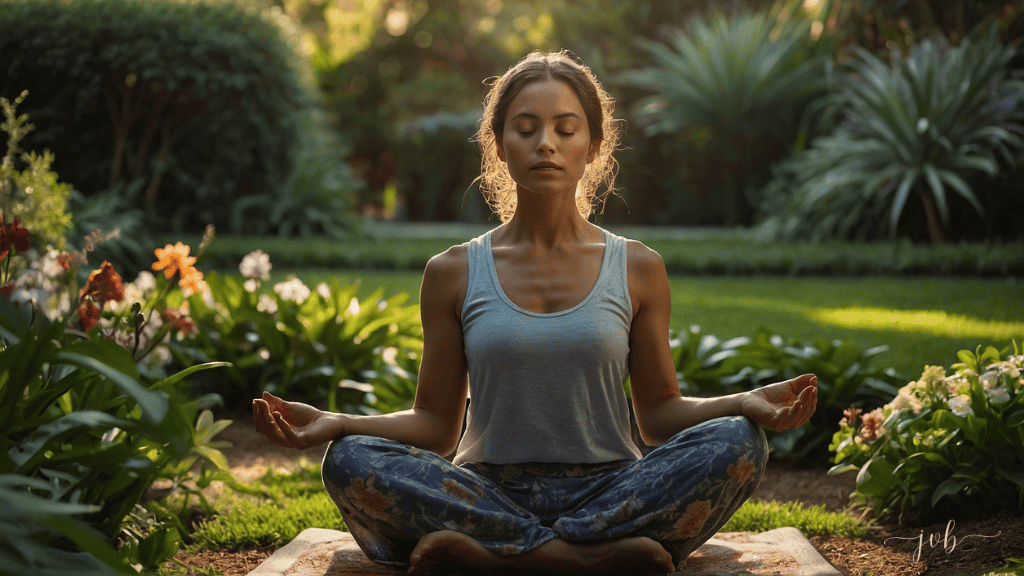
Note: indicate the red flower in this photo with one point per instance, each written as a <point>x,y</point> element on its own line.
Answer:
<point>89,315</point>
<point>5,240</point>
<point>7,289</point>
<point>850,415</point>
<point>104,285</point>
<point>19,236</point>
<point>180,320</point>
<point>13,235</point>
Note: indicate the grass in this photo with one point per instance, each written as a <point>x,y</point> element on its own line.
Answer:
<point>810,520</point>
<point>922,320</point>
<point>291,503</point>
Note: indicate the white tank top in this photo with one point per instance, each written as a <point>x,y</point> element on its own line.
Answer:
<point>547,387</point>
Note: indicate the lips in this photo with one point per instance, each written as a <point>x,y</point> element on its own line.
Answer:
<point>546,165</point>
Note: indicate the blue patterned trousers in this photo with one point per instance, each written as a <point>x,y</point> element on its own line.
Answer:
<point>680,494</point>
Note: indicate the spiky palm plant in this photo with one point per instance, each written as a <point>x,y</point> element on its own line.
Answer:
<point>740,82</point>
<point>914,130</point>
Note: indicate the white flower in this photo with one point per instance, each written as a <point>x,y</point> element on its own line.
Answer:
<point>267,304</point>
<point>256,265</point>
<point>961,405</point>
<point>145,281</point>
<point>323,290</point>
<point>998,394</point>
<point>292,289</point>
<point>353,307</point>
<point>989,379</point>
<point>251,285</point>
<point>49,265</point>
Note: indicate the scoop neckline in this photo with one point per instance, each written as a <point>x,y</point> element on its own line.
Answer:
<point>492,267</point>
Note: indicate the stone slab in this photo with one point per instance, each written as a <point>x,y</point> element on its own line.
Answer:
<point>779,552</point>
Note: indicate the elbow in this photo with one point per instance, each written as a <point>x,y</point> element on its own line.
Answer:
<point>652,438</point>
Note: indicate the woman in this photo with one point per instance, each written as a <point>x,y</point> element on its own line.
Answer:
<point>540,321</point>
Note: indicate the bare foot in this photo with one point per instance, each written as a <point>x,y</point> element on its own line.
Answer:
<point>637,555</point>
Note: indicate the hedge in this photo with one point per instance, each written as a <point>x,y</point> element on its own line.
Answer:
<point>183,106</point>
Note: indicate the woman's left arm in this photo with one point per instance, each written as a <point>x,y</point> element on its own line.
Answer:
<point>661,411</point>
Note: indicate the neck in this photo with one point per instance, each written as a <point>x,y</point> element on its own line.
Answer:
<point>547,221</point>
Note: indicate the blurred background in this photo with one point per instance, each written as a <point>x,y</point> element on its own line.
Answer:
<point>796,119</point>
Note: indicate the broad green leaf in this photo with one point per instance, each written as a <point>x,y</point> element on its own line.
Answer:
<point>154,405</point>
<point>948,487</point>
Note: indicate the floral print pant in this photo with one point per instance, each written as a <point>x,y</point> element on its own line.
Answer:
<point>680,494</point>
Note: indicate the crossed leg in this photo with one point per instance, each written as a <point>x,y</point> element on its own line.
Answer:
<point>412,508</point>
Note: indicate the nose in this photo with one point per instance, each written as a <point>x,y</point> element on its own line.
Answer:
<point>544,141</point>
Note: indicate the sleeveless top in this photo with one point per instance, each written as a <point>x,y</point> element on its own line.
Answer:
<point>547,387</point>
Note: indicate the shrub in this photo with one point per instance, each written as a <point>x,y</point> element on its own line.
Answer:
<point>314,345</point>
<point>912,137</point>
<point>200,101</point>
<point>33,191</point>
<point>708,366</point>
<point>85,433</point>
<point>430,142</point>
<point>947,444</point>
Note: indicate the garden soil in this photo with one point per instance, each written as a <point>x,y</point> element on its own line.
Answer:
<point>963,547</point>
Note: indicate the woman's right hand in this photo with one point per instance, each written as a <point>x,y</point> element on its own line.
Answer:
<point>294,424</point>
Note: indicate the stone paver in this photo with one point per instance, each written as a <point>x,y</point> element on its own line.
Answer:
<point>779,552</point>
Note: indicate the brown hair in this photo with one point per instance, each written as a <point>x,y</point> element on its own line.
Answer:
<point>496,183</point>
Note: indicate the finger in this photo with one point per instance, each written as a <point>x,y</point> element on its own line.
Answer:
<point>802,382</point>
<point>803,409</point>
<point>260,415</point>
<point>290,436</point>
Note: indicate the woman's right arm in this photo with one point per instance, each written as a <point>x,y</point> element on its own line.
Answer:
<point>435,420</point>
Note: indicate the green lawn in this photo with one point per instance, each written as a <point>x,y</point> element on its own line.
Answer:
<point>922,320</point>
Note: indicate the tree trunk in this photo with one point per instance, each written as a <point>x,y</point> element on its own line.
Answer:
<point>935,232</point>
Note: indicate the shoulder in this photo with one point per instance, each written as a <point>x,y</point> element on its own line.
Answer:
<point>445,278</point>
<point>644,262</point>
<point>646,276</point>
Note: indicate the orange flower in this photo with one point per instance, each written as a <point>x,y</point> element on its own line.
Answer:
<point>742,470</point>
<point>171,259</point>
<point>104,285</point>
<point>693,520</point>
<point>459,491</point>
<point>364,496</point>
<point>89,315</point>
<point>192,280</point>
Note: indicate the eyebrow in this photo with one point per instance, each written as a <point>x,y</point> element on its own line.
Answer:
<point>557,116</point>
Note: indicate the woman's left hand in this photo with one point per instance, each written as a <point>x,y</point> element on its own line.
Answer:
<point>783,405</point>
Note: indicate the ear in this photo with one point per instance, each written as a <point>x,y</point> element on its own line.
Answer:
<point>500,146</point>
<point>595,149</point>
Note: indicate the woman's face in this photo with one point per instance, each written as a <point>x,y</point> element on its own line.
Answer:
<point>546,141</point>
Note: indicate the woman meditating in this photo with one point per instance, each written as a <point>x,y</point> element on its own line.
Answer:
<point>539,322</point>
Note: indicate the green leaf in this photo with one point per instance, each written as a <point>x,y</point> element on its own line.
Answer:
<point>948,487</point>
<point>213,455</point>
<point>154,405</point>
<point>876,478</point>
<point>49,436</point>
<point>170,381</point>
<point>1016,419</point>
